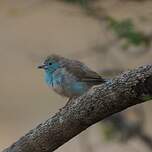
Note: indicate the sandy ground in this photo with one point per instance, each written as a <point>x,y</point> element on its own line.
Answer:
<point>32,29</point>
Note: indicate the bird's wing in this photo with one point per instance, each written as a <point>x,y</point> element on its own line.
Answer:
<point>83,73</point>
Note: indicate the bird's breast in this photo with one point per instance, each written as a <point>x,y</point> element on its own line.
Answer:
<point>67,85</point>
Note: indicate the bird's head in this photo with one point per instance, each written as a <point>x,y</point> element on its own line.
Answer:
<point>51,63</point>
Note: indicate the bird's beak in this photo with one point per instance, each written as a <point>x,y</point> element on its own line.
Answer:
<point>41,66</point>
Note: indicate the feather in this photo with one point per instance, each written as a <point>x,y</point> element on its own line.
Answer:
<point>82,72</point>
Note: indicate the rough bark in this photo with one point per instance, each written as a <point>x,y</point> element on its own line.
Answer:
<point>128,89</point>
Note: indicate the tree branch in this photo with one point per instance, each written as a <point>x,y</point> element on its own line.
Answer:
<point>128,89</point>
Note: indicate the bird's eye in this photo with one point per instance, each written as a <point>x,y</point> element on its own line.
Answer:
<point>50,63</point>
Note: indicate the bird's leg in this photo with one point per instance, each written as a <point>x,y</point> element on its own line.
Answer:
<point>66,104</point>
<point>68,101</point>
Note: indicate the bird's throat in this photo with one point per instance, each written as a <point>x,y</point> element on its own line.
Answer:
<point>48,77</point>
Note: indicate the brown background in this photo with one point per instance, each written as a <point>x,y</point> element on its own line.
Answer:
<point>32,29</point>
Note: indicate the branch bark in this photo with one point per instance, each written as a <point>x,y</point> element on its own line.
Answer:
<point>128,89</point>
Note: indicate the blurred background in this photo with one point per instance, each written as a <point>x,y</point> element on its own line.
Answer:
<point>109,36</point>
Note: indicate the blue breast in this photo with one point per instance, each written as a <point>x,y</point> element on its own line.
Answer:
<point>65,84</point>
<point>78,88</point>
<point>48,78</point>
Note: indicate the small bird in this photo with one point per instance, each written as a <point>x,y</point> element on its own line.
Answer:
<point>69,78</point>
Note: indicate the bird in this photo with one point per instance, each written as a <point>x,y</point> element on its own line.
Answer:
<point>67,77</point>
